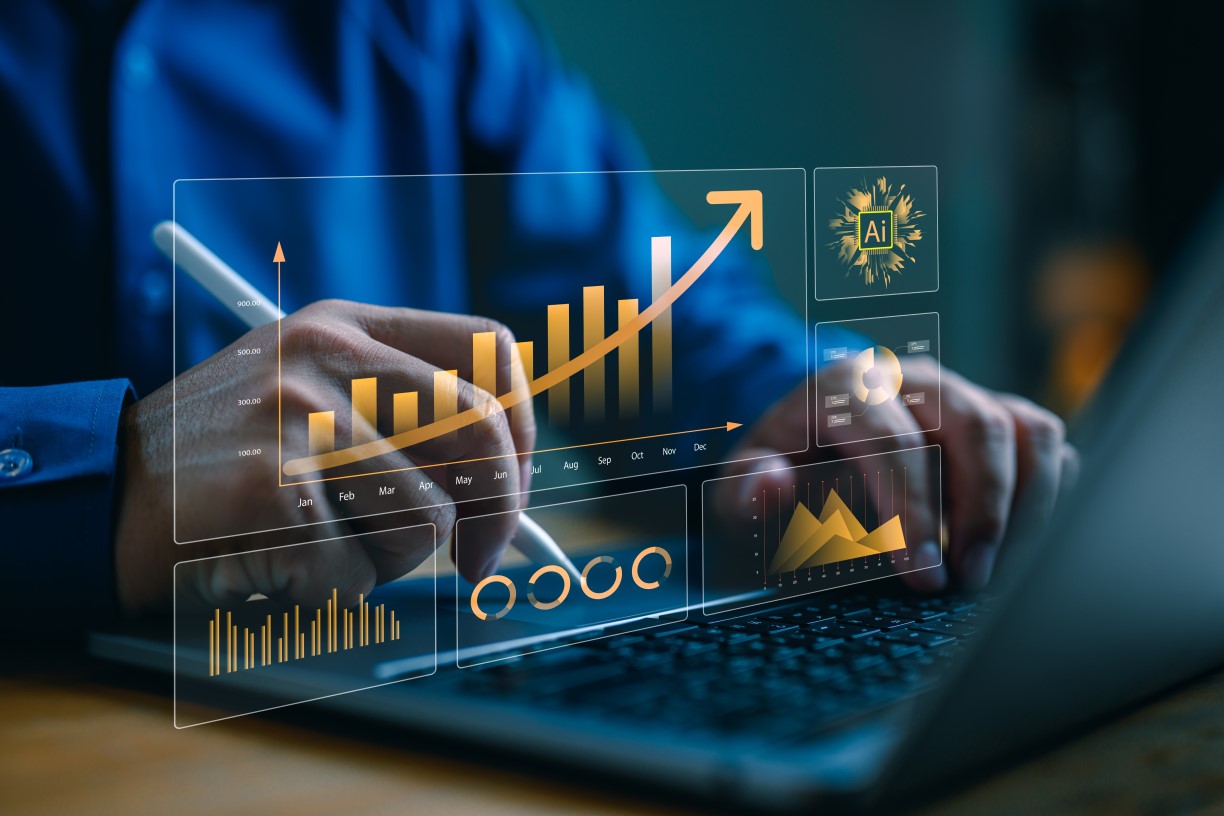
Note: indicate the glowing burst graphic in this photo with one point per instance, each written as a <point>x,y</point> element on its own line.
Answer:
<point>876,265</point>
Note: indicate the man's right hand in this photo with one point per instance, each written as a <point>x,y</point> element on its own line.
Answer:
<point>325,346</point>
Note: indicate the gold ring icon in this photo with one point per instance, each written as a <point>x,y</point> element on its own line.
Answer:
<point>667,561</point>
<point>564,591</point>
<point>603,559</point>
<point>493,579</point>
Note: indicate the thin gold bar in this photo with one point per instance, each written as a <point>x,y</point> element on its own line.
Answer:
<point>446,394</point>
<point>319,630</point>
<point>661,328</point>
<point>522,366</point>
<point>335,612</point>
<point>229,641</point>
<point>393,633</point>
<point>297,634</point>
<point>365,410</point>
<point>627,362</point>
<point>558,355</point>
<point>405,412</point>
<point>361,619</point>
<point>484,362</point>
<point>217,658</point>
<point>212,637</point>
<point>301,644</point>
<point>321,432</point>
<point>593,332</point>
<point>350,630</point>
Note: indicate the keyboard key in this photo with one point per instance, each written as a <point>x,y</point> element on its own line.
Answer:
<point>876,621</point>
<point>841,629</point>
<point>947,627</point>
<point>919,637</point>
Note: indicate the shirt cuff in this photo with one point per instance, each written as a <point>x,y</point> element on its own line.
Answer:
<point>58,457</point>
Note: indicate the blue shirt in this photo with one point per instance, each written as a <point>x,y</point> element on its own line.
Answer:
<point>106,106</point>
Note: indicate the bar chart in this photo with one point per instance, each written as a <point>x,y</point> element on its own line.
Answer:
<point>615,353</point>
<point>329,630</point>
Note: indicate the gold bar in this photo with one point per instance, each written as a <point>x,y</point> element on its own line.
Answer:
<point>446,394</point>
<point>365,410</point>
<point>405,412</point>
<point>592,333</point>
<point>321,433</point>
<point>661,328</point>
<point>484,362</point>
<point>301,644</point>
<point>212,641</point>
<point>268,624</point>
<point>522,366</point>
<point>397,630</point>
<point>627,362</point>
<point>393,633</point>
<point>361,618</point>
<point>335,612</point>
<point>319,630</point>
<point>297,626</point>
<point>217,660</point>
<point>285,635</point>
<point>350,630</point>
<point>314,633</point>
<point>246,649</point>
<point>558,355</point>
<point>229,641</point>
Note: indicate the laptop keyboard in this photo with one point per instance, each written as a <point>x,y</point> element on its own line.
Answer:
<point>780,675</point>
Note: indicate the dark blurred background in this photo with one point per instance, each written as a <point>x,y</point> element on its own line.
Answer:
<point>1075,142</point>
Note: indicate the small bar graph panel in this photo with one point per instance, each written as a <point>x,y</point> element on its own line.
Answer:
<point>289,637</point>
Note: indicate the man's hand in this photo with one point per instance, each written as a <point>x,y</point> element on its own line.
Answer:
<point>324,347</point>
<point>996,448</point>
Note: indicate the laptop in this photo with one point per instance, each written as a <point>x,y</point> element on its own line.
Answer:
<point>866,695</point>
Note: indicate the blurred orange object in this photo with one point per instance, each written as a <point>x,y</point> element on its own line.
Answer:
<point>1088,295</point>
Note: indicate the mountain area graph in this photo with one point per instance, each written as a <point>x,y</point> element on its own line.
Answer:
<point>835,535</point>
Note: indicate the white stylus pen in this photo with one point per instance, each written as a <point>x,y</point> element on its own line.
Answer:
<point>227,286</point>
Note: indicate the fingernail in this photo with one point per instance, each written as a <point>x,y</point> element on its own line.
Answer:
<point>929,557</point>
<point>977,566</point>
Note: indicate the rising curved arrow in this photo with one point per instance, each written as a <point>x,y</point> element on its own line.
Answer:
<point>751,208</point>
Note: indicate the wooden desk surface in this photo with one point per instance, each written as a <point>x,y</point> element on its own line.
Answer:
<point>78,745</point>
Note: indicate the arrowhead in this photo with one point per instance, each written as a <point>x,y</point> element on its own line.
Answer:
<point>279,257</point>
<point>746,199</point>
<point>731,426</point>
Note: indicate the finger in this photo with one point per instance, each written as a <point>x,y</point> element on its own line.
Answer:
<point>398,491</point>
<point>978,437</point>
<point>306,573</point>
<point>893,421</point>
<point>1040,439</point>
<point>477,460</point>
<point>449,342</point>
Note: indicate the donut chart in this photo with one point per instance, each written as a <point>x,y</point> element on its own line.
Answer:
<point>877,375</point>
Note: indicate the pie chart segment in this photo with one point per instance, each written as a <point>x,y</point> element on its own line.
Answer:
<point>877,375</point>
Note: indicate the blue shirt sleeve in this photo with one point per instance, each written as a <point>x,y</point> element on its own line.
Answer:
<point>56,502</point>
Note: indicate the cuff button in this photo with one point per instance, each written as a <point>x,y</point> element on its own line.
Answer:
<point>15,462</point>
